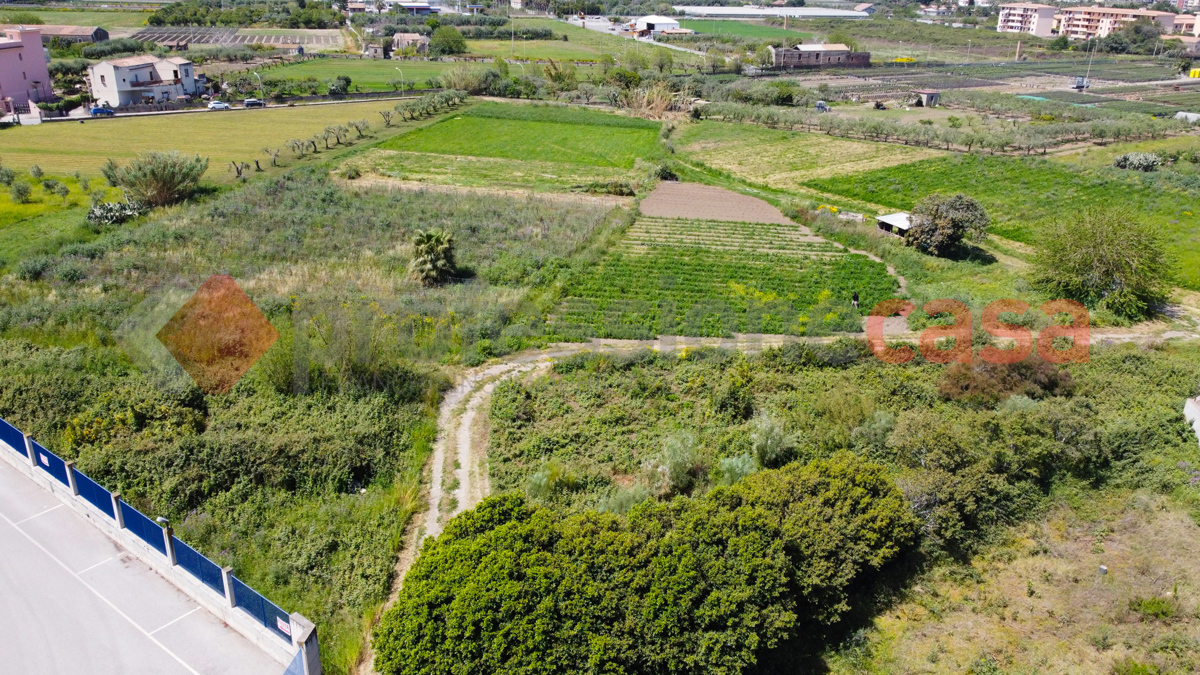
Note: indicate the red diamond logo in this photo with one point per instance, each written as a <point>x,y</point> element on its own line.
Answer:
<point>218,335</point>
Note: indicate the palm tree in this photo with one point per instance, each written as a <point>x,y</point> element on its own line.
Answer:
<point>433,256</point>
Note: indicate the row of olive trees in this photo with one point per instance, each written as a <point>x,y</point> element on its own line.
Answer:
<point>997,138</point>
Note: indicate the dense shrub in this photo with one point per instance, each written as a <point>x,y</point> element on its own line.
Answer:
<point>158,178</point>
<point>114,213</point>
<point>1138,161</point>
<point>984,383</point>
<point>1108,258</point>
<point>697,585</point>
<point>115,46</point>
<point>19,192</point>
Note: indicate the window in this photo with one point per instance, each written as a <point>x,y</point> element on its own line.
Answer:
<point>175,75</point>
<point>20,56</point>
<point>102,82</point>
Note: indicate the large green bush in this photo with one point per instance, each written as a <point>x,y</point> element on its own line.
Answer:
<point>702,585</point>
<point>158,178</point>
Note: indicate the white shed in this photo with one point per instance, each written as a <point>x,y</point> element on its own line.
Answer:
<point>655,24</point>
<point>896,223</point>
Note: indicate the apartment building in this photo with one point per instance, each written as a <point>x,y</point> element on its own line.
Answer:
<point>24,75</point>
<point>1086,23</point>
<point>1185,23</point>
<point>1026,17</point>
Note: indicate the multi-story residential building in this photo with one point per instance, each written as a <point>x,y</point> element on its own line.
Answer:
<point>141,79</point>
<point>1185,23</point>
<point>1026,17</point>
<point>1086,23</point>
<point>24,76</point>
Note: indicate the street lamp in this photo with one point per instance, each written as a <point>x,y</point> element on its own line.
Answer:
<point>401,81</point>
<point>262,94</point>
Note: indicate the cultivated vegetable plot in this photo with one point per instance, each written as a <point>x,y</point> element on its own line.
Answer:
<point>712,278</point>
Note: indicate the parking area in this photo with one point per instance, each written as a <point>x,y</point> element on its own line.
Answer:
<point>76,602</point>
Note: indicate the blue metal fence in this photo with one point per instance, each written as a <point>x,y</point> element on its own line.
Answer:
<point>147,530</point>
<point>13,436</point>
<point>269,615</point>
<point>296,667</point>
<point>50,463</point>
<point>245,598</point>
<point>95,495</point>
<point>202,568</point>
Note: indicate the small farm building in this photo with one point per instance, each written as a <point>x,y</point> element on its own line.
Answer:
<point>894,223</point>
<point>655,24</point>
<point>70,33</point>
<point>927,98</point>
<point>414,40</point>
<point>815,56</point>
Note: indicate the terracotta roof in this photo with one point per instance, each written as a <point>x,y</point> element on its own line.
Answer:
<point>134,60</point>
<point>82,31</point>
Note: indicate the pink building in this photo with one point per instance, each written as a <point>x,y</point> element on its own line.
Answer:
<point>24,77</point>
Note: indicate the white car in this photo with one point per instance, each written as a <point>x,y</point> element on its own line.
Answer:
<point>218,105</point>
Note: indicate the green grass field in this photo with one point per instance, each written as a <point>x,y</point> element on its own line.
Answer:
<point>101,19</point>
<point>741,28</point>
<point>585,41</point>
<point>369,74</point>
<point>39,225</point>
<point>1020,193</point>
<point>785,159</point>
<point>65,147</point>
<point>537,134</point>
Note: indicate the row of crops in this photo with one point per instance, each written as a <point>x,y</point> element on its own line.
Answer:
<point>718,279</point>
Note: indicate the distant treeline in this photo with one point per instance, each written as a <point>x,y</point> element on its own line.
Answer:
<point>302,14</point>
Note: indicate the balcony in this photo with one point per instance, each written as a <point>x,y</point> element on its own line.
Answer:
<point>148,84</point>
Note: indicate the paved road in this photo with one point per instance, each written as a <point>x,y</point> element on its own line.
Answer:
<point>73,602</point>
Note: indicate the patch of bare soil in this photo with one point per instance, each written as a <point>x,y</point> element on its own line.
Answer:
<point>705,202</point>
<point>577,198</point>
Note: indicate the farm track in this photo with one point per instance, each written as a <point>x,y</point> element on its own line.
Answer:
<point>459,416</point>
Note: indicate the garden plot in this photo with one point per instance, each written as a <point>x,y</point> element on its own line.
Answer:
<point>708,277</point>
<point>523,147</point>
<point>785,159</point>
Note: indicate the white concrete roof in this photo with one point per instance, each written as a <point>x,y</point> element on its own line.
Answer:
<point>795,12</point>
<point>899,220</point>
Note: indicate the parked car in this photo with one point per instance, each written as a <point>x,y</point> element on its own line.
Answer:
<point>253,103</point>
<point>219,105</point>
<point>101,112</point>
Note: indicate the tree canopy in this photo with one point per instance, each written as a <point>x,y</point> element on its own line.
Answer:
<point>691,585</point>
<point>1106,258</point>
<point>942,222</point>
<point>447,40</point>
